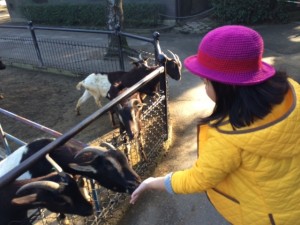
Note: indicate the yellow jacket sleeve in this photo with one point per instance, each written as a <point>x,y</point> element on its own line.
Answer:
<point>217,158</point>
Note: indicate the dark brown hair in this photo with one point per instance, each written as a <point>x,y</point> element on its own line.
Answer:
<point>244,104</point>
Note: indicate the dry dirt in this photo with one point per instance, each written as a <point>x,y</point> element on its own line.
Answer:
<point>49,100</point>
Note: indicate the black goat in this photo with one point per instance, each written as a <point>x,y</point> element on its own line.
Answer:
<point>57,194</point>
<point>108,167</point>
<point>173,68</point>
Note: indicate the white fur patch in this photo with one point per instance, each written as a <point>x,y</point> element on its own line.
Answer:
<point>12,161</point>
<point>97,84</point>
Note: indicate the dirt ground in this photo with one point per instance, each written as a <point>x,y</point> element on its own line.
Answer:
<point>49,100</point>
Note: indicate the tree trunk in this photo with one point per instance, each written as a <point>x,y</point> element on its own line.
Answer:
<point>115,18</point>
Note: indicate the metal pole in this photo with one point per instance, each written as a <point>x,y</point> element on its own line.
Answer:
<point>36,46</point>
<point>14,139</point>
<point>119,36</point>
<point>39,126</point>
<point>161,60</point>
<point>157,49</point>
<point>5,143</point>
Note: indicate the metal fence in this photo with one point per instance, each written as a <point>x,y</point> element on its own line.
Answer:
<point>72,56</point>
<point>79,51</point>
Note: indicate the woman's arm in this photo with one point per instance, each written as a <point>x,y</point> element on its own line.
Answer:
<point>151,183</point>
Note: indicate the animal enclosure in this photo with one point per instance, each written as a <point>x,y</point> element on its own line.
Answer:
<point>108,206</point>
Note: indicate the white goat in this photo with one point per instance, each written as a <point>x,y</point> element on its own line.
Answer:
<point>96,85</point>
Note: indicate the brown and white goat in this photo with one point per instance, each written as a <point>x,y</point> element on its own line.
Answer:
<point>96,85</point>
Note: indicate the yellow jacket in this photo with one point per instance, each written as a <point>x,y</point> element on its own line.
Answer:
<point>251,175</point>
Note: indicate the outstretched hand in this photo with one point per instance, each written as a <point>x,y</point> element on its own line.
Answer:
<point>151,183</point>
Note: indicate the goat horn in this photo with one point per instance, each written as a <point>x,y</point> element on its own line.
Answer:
<point>94,149</point>
<point>178,60</point>
<point>47,185</point>
<point>108,145</point>
<point>119,107</point>
<point>174,56</point>
<point>133,58</point>
<point>140,56</point>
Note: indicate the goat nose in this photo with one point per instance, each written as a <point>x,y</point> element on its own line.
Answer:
<point>132,185</point>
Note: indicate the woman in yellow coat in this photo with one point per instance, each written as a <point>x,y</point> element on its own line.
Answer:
<point>249,147</point>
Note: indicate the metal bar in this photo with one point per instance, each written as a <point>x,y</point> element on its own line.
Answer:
<point>35,43</point>
<point>163,87</point>
<point>38,126</point>
<point>157,49</point>
<point>136,37</point>
<point>74,30</point>
<point>14,27</point>
<point>5,143</point>
<point>80,31</point>
<point>161,59</point>
<point>14,139</point>
<point>95,196</point>
<point>121,57</point>
<point>22,167</point>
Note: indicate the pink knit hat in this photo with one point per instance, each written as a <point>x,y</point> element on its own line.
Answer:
<point>231,54</point>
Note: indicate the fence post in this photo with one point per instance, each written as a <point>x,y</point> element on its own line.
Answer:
<point>120,47</point>
<point>157,49</point>
<point>161,60</point>
<point>36,46</point>
<point>5,143</point>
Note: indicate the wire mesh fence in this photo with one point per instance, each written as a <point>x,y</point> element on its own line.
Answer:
<point>78,51</point>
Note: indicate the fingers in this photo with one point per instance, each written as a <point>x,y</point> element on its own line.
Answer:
<point>135,195</point>
<point>150,183</point>
<point>133,199</point>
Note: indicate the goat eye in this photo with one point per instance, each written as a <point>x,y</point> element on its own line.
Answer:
<point>107,165</point>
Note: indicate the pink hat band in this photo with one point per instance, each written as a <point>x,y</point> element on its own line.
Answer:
<point>231,55</point>
<point>229,65</point>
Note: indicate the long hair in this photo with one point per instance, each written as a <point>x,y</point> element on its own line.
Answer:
<point>244,104</point>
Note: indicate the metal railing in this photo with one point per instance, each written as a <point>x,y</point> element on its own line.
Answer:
<point>79,51</point>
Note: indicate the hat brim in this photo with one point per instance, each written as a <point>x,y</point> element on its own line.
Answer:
<point>248,78</point>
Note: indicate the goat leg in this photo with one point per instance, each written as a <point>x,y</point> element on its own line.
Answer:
<point>77,109</point>
<point>141,151</point>
<point>127,148</point>
<point>112,118</point>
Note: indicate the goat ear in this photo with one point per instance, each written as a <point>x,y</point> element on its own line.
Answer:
<point>25,200</point>
<point>140,106</point>
<point>82,168</point>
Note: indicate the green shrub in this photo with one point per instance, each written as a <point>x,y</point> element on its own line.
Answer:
<point>94,15</point>
<point>250,11</point>
<point>142,14</point>
<point>65,14</point>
